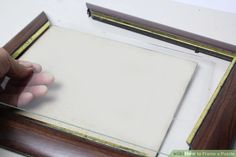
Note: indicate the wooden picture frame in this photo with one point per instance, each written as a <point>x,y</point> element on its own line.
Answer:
<point>32,137</point>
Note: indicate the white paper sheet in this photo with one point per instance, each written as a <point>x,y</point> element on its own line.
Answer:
<point>114,89</point>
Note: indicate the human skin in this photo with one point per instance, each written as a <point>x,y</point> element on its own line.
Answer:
<point>25,80</point>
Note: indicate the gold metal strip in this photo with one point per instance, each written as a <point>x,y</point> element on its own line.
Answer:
<point>21,49</point>
<point>82,133</point>
<point>163,34</point>
<point>96,140</point>
<point>211,101</point>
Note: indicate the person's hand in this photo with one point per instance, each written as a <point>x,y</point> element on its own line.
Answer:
<point>21,81</point>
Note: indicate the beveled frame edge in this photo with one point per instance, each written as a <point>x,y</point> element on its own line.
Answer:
<point>208,132</point>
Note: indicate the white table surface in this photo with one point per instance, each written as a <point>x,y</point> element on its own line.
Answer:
<point>14,15</point>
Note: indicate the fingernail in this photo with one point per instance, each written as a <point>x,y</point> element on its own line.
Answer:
<point>48,78</point>
<point>37,68</point>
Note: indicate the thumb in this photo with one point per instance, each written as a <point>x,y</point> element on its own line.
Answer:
<point>11,68</point>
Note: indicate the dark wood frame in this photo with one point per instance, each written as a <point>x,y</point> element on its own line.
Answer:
<point>25,34</point>
<point>32,137</point>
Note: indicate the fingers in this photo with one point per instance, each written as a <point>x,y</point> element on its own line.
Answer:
<point>22,69</point>
<point>36,67</point>
<point>26,80</point>
<point>12,68</point>
<point>37,91</point>
<point>20,97</point>
<point>24,99</point>
<point>17,99</point>
<point>42,78</point>
<point>19,93</point>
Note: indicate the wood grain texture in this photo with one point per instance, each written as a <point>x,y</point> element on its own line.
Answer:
<point>26,33</point>
<point>218,130</point>
<point>31,137</point>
